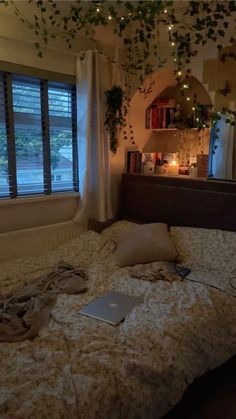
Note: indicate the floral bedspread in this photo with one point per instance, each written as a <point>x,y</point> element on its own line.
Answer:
<point>78,367</point>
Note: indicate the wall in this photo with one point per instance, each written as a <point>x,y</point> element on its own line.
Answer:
<point>33,225</point>
<point>16,46</point>
<point>168,141</point>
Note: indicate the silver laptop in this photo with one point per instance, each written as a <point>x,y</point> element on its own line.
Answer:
<point>112,307</point>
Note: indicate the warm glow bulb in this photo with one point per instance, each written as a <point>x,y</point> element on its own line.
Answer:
<point>122,18</point>
<point>197,119</point>
<point>188,98</point>
<point>165,11</point>
<point>170,27</point>
<point>175,59</point>
<point>179,73</point>
<point>174,162</point>
<point>193,108</point>
<point>109,17</point>
<point>97,10</point>
<point>173,44</point>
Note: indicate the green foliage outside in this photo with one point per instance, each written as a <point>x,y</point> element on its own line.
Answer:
<point>29,145</point>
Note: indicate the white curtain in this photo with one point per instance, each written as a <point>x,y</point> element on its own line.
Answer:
<point>223,159</point>
<point>94,77</point>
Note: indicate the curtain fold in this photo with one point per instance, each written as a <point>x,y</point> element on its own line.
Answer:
<point>223,159</point>
<point>94,77</point>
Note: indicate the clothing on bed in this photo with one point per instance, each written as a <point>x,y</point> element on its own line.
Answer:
<point>23,313</point>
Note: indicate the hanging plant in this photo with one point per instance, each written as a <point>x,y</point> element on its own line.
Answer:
<point>114,119</point>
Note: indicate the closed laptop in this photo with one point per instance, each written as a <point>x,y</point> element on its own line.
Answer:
<point>111,308</point>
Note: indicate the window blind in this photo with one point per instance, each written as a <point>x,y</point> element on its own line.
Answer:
<point>4,179</point>
<point>61,135</point>
<point>28,135</point>
<point>38,136</point>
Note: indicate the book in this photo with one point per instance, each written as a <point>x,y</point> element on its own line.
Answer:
<point>202,165</point>
<point>134,159</point>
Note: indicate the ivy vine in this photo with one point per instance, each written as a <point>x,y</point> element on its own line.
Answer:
<point>142,27</point>
<point>152,32</point>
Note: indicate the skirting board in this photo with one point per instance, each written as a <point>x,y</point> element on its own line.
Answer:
<point>37,240</point>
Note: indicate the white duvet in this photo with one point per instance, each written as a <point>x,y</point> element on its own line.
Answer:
<point>78,367</point>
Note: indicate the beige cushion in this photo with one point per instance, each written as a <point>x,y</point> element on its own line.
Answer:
<point>144,243</point>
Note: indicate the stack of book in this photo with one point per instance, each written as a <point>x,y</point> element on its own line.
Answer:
<point>134,162</point>
<point>160,114</point>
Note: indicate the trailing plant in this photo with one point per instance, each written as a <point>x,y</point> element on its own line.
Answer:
<point>114,119</point>
<point>151,31</point>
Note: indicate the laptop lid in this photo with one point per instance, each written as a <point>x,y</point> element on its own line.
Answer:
<point>111,308</point>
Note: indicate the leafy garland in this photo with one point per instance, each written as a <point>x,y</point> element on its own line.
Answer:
<point>142,27</point>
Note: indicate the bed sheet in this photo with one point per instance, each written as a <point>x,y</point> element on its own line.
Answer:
<point>78,367</point>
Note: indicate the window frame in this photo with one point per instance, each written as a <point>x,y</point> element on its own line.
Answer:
<point>44,84</point>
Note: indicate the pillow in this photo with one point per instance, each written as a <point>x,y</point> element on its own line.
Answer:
<point>144,243</point>
<point>202,248</point>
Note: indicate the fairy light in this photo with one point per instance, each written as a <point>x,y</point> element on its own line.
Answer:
<point>197,119</point>
<point>165,11</point>
<point>172,44</point>
<point>122,18</point>
<point>179,73</point>
<point>97,9</point>
<point>109,17</point>
<point>188,98</point>
<point>170,27</point>
<point>193,108</point>
<point>175,59</point>
<point>185,86</point>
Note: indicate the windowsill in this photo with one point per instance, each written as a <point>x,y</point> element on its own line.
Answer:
<point>39,198</point>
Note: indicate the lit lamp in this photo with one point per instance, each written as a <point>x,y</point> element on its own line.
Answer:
<point>173,168</point>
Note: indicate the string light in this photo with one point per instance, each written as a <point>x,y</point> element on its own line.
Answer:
<point>193,108</point>
<point>188,98</point>
<point>109,17</point>
<point>122,18</point>
<point>179,73</point>
<point>185,86</point>
<point>173,44</point>
<point>97,9</point>
<point>170,27</point>
<point>175,59</point>
<point>165,11</point>
<point>197,119</point>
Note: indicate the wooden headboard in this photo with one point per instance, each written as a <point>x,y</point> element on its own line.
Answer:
<point>179,201</point>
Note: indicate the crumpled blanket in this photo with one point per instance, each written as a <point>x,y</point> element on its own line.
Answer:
<point>23,313</point>
<point>155,271</point>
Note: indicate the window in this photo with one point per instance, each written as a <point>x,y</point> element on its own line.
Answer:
<point>38,148</point>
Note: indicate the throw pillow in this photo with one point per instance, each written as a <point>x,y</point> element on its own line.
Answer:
<point>143,244</point>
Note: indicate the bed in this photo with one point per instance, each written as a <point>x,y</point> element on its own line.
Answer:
<point>78,367</point>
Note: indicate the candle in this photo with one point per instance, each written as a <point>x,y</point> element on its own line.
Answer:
<point>173,168</point>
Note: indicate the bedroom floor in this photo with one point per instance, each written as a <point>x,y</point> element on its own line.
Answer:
<point>210,397</point>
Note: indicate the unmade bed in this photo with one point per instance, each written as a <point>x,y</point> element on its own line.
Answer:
<point>79,367</point>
